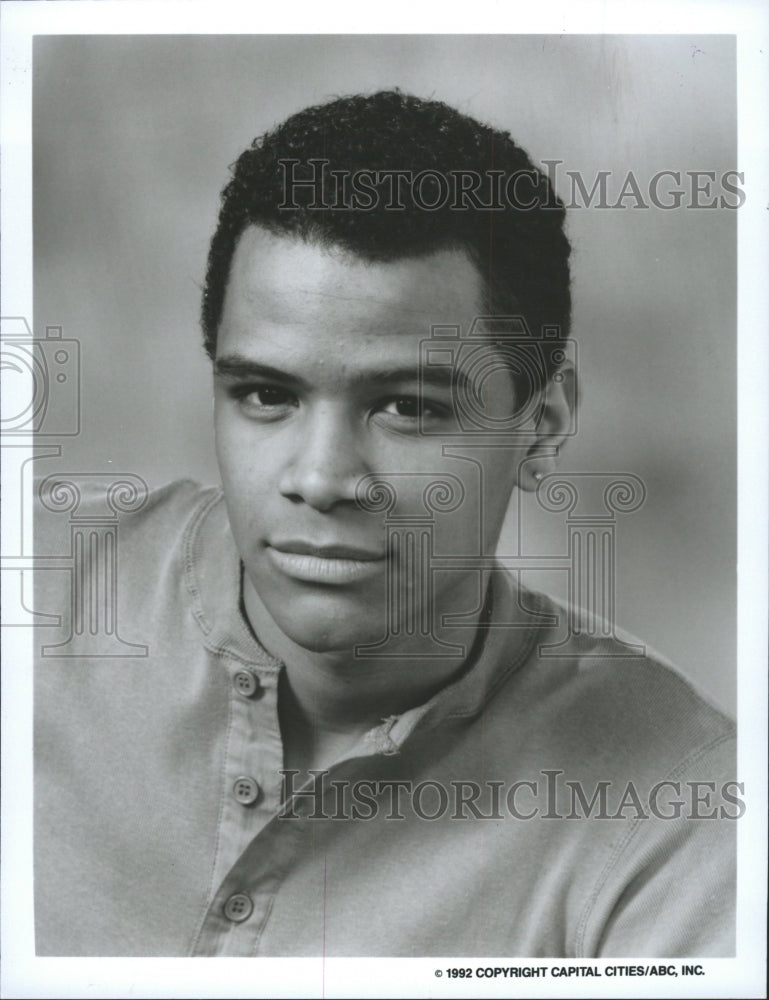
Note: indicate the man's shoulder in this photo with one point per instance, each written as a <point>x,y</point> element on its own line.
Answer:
<point>169,511</point>
<point>112,535</point>
<point>602,695</point>
<point>113,501</point>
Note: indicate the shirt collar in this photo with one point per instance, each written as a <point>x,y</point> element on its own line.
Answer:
<point>212,577</point>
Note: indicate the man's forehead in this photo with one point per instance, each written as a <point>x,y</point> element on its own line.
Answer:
<point>287,280</point>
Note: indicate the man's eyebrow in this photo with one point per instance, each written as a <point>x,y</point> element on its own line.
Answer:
<point>439,378</point>
<point>236,366</point>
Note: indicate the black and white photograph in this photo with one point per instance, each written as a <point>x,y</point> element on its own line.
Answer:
<point>384,487</point>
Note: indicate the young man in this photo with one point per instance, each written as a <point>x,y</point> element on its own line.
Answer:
<point>353,732</point>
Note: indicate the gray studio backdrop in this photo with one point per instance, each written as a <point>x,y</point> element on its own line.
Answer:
<point>132,139</point>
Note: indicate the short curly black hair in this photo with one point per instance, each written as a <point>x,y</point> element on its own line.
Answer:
<point>521,251</point>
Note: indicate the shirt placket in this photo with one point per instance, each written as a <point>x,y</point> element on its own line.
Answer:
<point>262,848</point>
<point>250,798</point>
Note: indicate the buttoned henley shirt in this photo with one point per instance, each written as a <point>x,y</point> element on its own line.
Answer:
<point>573,805</point>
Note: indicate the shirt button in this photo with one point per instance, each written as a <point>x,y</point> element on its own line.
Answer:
<point>246,790</point>
<point>238,907</point>
<point>246,683</point>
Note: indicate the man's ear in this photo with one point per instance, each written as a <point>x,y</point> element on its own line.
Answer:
<point>555,423</point>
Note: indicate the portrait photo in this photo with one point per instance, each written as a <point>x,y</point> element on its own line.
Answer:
<point>374,443</point>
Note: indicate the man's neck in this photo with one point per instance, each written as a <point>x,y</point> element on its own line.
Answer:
<point>340,692</point>
<point>328,700</point>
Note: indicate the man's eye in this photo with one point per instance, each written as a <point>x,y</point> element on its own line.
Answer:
<point>408,411</point>
<point>270,396</point>
<point>406,406</point>
<point>263,399</point>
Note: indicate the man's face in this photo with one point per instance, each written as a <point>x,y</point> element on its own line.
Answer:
<point>317,386</point>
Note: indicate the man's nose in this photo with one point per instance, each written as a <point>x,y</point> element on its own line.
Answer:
<point>327,460</point>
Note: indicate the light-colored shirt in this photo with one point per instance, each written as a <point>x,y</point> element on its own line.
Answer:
<point>160,825</point>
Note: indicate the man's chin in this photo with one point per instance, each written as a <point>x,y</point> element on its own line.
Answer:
<point>319,637</point>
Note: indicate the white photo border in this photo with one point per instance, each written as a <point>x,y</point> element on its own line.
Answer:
<point>23,974</point>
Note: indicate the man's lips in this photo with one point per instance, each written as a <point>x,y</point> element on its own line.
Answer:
<point>325,564</point>
<point>327,551</point>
